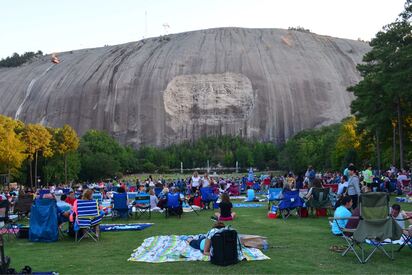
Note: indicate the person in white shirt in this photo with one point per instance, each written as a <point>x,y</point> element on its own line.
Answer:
<point>194,185</point>
<point>206,180</point>
<point>342,185</point>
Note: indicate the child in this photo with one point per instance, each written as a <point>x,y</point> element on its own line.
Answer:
<point>225,209</point>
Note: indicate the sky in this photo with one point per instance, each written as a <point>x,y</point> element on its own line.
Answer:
<point>63,25</point>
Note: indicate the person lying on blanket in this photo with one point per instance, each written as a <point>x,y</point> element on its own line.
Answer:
<point>203,242</point>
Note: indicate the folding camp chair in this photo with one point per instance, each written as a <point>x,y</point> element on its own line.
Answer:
<point>406,236</point>
<point>406,186</point>
<point>274,196</point>
<point>7,223</point>
<point>142,204</point>
<point>4,260</point>
<point>291,202</point>
<point>375,225</point>
<point>320,199</point>
<point>234,190</point>
<point>23,205</point>
<point>87,217</point>
<point>98,196</point>
<point>207,196</point>
<point>173,205</point>
<point>157,191</point>
<point>44,221</point>
<point>120,206</point>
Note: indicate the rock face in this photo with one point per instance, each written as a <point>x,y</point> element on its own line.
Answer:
<point>266,84</point>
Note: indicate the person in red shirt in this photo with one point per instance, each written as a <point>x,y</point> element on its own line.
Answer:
<point>71,199</point>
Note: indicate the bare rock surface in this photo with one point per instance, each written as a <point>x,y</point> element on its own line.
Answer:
<point>266,84</point>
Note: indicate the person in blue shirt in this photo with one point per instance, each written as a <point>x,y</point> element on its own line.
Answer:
<point>342,212</point>
<point>250,194</point>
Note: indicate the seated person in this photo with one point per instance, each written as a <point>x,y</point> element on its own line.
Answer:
<point>163,198</point>
<point>71,198</point>
<point>62,213</point>
<point>63,204</point>
<point>153,200</point>
<point>225,209</point>
<point>317,183</point>
<point>342,212</point>
<point>400,216</point>
<point>203,242</point>
<point>87,195</point>
<point>343,186</point>
<point>250,194</point>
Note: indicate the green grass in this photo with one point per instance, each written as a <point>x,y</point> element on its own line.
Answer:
<point>300,246</point>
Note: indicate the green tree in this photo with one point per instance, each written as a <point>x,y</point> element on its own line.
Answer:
<point>383,96</point>
<point>12,148</point>
<point>65,141</point>
<point>38,140</point>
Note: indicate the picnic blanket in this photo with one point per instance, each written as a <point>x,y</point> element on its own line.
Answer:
<point>247,205</point>
<point>124,227</point>
<point>174,248</point>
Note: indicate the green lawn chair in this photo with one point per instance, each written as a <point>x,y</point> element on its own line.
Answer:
<point>375,225</point>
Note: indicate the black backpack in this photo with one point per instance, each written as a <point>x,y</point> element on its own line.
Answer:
<point>225,248</point>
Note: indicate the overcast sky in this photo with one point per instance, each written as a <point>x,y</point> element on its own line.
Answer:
<point>62,25</point>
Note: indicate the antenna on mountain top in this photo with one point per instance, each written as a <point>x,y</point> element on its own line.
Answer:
<point>166,27</point>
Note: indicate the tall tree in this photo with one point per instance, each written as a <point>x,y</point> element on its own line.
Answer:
<point>38,140</point>
<point>65,141</point>
<point>384,95</point>
<point>12,148</point>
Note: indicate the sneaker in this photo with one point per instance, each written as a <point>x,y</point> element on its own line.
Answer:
<point>213,218</point>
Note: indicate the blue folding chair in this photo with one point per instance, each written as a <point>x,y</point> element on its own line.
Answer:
<point>120,206</point>
<point>142,205</point>
<point>256,186</point>
<point>157,191</point>
<point>87,217</point>
<point>274,196</point>
<point>173,205</point>
<point>43,192</point>
<point>291,202</point>
<point>43,221</point>
<point>207,196</point>
<point>98,196</point>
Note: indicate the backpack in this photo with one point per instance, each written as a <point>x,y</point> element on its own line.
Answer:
<point>225,246</point>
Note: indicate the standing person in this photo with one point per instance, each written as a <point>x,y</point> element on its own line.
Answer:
<point>311,175</point>
<point>368,177</point>
<point>353,186</point>
<point>195,184</point>
<point>346,171</point>
<point>206,180</point>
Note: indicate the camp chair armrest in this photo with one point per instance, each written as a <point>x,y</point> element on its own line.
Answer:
<point>349,218</point>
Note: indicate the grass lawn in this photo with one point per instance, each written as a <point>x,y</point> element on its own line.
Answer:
<point>298,246</point>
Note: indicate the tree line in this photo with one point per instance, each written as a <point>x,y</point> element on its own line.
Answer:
<point>16,59</point>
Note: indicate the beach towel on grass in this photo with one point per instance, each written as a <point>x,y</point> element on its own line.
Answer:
<point>160,249</point>
<point>124,227</point>
<point>247,205</point>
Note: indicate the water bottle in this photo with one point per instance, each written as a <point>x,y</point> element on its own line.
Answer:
<point>265,245</point>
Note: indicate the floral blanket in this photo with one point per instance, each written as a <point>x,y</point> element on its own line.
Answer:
<point>173,248</point>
